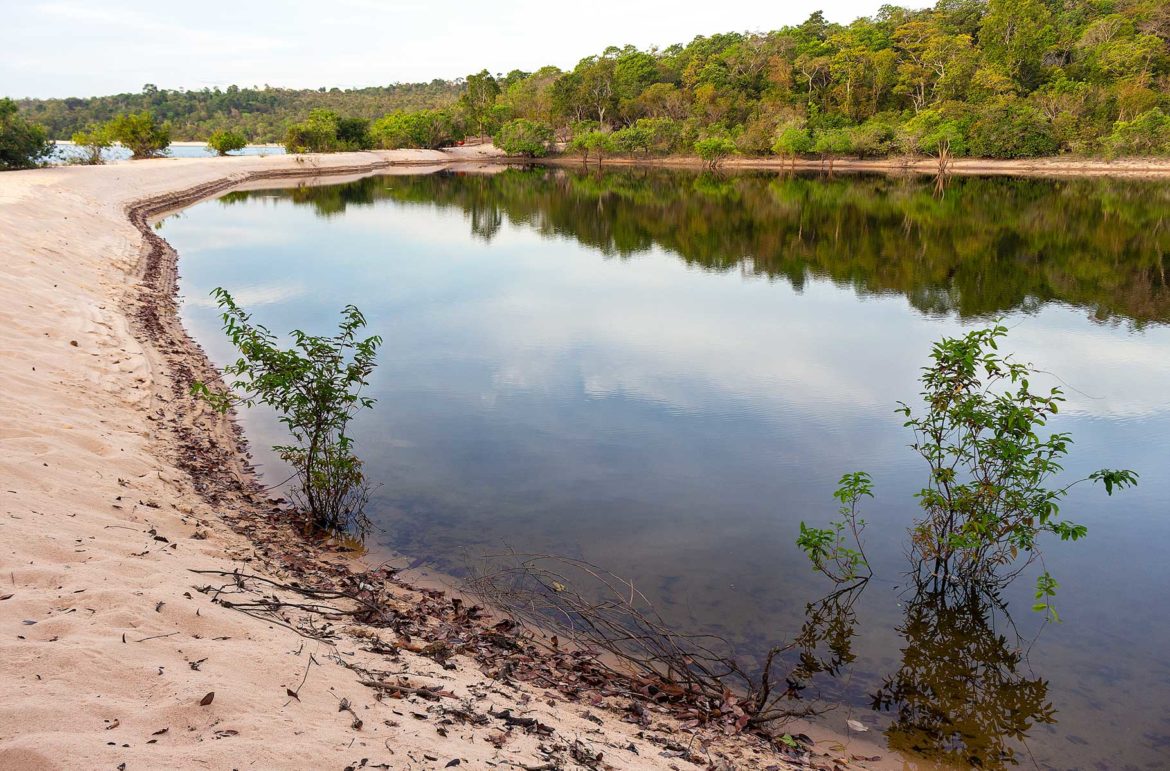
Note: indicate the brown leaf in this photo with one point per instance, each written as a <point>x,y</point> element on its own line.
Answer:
<point>292,693</point>
<point>210,697</point>
<point>5,597</point>
<point>160,731</point>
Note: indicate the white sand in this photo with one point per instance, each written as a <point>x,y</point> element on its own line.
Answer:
<point>99,620</point>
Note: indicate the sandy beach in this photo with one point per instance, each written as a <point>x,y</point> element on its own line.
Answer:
<point>130,519</point>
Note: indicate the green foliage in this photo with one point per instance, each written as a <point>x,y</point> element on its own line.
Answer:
<point>646,136</point>
<point>599,143</point>
<point>715,149</point>
<point>324,131</point>
<point>524,137</point>
<point>792,141</point>
<point>838,141</point>
<point>1147,134</point>
<point>263,114</point>
<point>426,129</point>
<point>141,134</point>
<point>224,142</point>
<point>23,144</point>
<point>478,99</point>
<point>991,492</point>
<point>94,140</point>
<point>1011,129</point>
<point>837,551</point>
<point>315,388</point>
<point>934,133</point>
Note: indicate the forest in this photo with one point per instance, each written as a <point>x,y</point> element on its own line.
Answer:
<point>986,78</point>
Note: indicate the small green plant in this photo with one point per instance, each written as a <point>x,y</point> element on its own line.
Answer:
<point>93,141</point>
<point>1046,587</point>
<point>837,551</point>
<point>991,491</point>
<point>315,387</point>
<point>224,142</point>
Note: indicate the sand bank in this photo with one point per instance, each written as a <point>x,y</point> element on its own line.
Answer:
<point>116,486</point>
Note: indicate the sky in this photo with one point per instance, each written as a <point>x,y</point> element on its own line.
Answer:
<point>59,48</point>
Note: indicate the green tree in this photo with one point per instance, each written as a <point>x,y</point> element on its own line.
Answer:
<point>792,141</point>
<point>478,99</point>
<point>715,149</point>
<point>315,386</point>
<point>224,141</point>
<point>94,141</point>
<point>23,144</point>
<point>524,137</point>
<point>319,133</point>
<point>141,134</point>
<point>1147,134</point>
<point>593,141</point>
<point>1011,128</point>
<point>1015,35</point>
<point>426,129</point>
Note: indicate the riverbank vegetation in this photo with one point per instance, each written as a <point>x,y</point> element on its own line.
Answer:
<point>315,387</point>
<point>22,144</point>
<point>983,78</point>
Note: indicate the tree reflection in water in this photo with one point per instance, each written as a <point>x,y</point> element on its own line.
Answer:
<point>963,694</point>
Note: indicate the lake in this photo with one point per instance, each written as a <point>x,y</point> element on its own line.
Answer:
<point>664,373</point>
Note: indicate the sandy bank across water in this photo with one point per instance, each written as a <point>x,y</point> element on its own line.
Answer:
<point>116,486</point>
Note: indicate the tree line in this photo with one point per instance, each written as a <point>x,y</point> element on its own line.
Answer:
<point>988,247</point>
<point>984,78</point>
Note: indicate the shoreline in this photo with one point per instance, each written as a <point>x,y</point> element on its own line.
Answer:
<point>1052,167</point>
<point>157,667</point>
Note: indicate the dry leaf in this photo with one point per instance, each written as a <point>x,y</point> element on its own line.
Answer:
<point>207,699</point>
<point>856,726</point>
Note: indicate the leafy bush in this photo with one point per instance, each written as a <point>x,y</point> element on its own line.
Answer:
<point>426,129</point>
<point>524,137</point>
<point>792,140</point>
<point>715,149</point>
<point>831,142</point>
<point>934,133</point>
<point>315,387</point>
<point>1147,134</point>
<point>874,138</point>
<point>140,133</point>
<point>1011,129</point>
<point>593,141</point>
<point>224,142</point>
<point>353,134</point>
<point>658,136</point>
<point>93,141</point>
<point>324,131</point>
<point>23,144</point>
<point>990,493</point>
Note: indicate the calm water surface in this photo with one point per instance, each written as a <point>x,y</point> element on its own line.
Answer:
<point>666,373</point>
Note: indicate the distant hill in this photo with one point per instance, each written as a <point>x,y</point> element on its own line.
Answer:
<point>263,114</point>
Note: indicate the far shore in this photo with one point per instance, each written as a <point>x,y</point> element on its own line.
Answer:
<point>131,515</point>
<point>1057,166</point>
